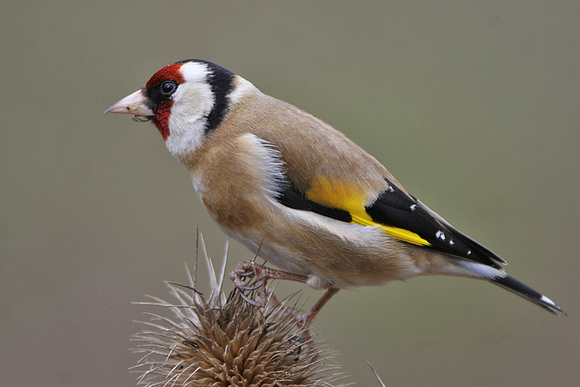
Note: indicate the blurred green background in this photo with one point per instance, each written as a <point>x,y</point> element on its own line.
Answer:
<point>474,106</point>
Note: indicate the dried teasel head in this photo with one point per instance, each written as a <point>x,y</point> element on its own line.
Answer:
<point>228,342</point>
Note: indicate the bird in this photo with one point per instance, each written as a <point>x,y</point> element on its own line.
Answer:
<point>299,193</point>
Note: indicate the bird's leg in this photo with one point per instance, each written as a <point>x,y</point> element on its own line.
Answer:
<point>307,318</point>
<point>248,269</point>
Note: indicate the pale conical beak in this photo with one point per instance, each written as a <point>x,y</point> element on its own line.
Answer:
<point>135,104</point>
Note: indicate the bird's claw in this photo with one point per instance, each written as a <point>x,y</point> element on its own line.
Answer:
<point>243,272</point>
<point>249,300</point>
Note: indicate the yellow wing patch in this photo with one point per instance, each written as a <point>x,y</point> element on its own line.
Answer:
<point>348,196</point>
<point>395,232</point>
<point>343,195</point>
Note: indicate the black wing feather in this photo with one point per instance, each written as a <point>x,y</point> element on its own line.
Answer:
<point>292,198</point>
<point>395,208</point>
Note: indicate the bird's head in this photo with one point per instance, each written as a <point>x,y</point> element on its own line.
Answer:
<point>185,100</point>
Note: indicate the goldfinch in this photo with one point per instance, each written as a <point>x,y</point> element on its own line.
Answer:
<point>299,193</point>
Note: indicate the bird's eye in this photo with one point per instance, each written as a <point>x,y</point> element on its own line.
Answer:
<point>168,87</point>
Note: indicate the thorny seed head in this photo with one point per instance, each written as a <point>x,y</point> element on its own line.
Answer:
<point>218,342</point>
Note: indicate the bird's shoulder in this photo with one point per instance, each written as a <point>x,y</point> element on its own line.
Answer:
<point>318,159</point>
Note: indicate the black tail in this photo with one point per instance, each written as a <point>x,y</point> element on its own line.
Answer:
<point>522,290</point>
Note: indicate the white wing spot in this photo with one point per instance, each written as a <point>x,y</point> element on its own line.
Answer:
<point>440,234</point>
<point>451,242</point>
<point>468,252</point>
<point>391,189</point>
<point>413,207</point>
<point>547,300</point>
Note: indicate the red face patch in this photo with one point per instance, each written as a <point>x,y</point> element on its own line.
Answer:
<point>168,72</point>
<point>161,119</point>
<point>163,108</point>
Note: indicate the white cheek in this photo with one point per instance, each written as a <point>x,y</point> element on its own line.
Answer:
<point>192,104</point>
